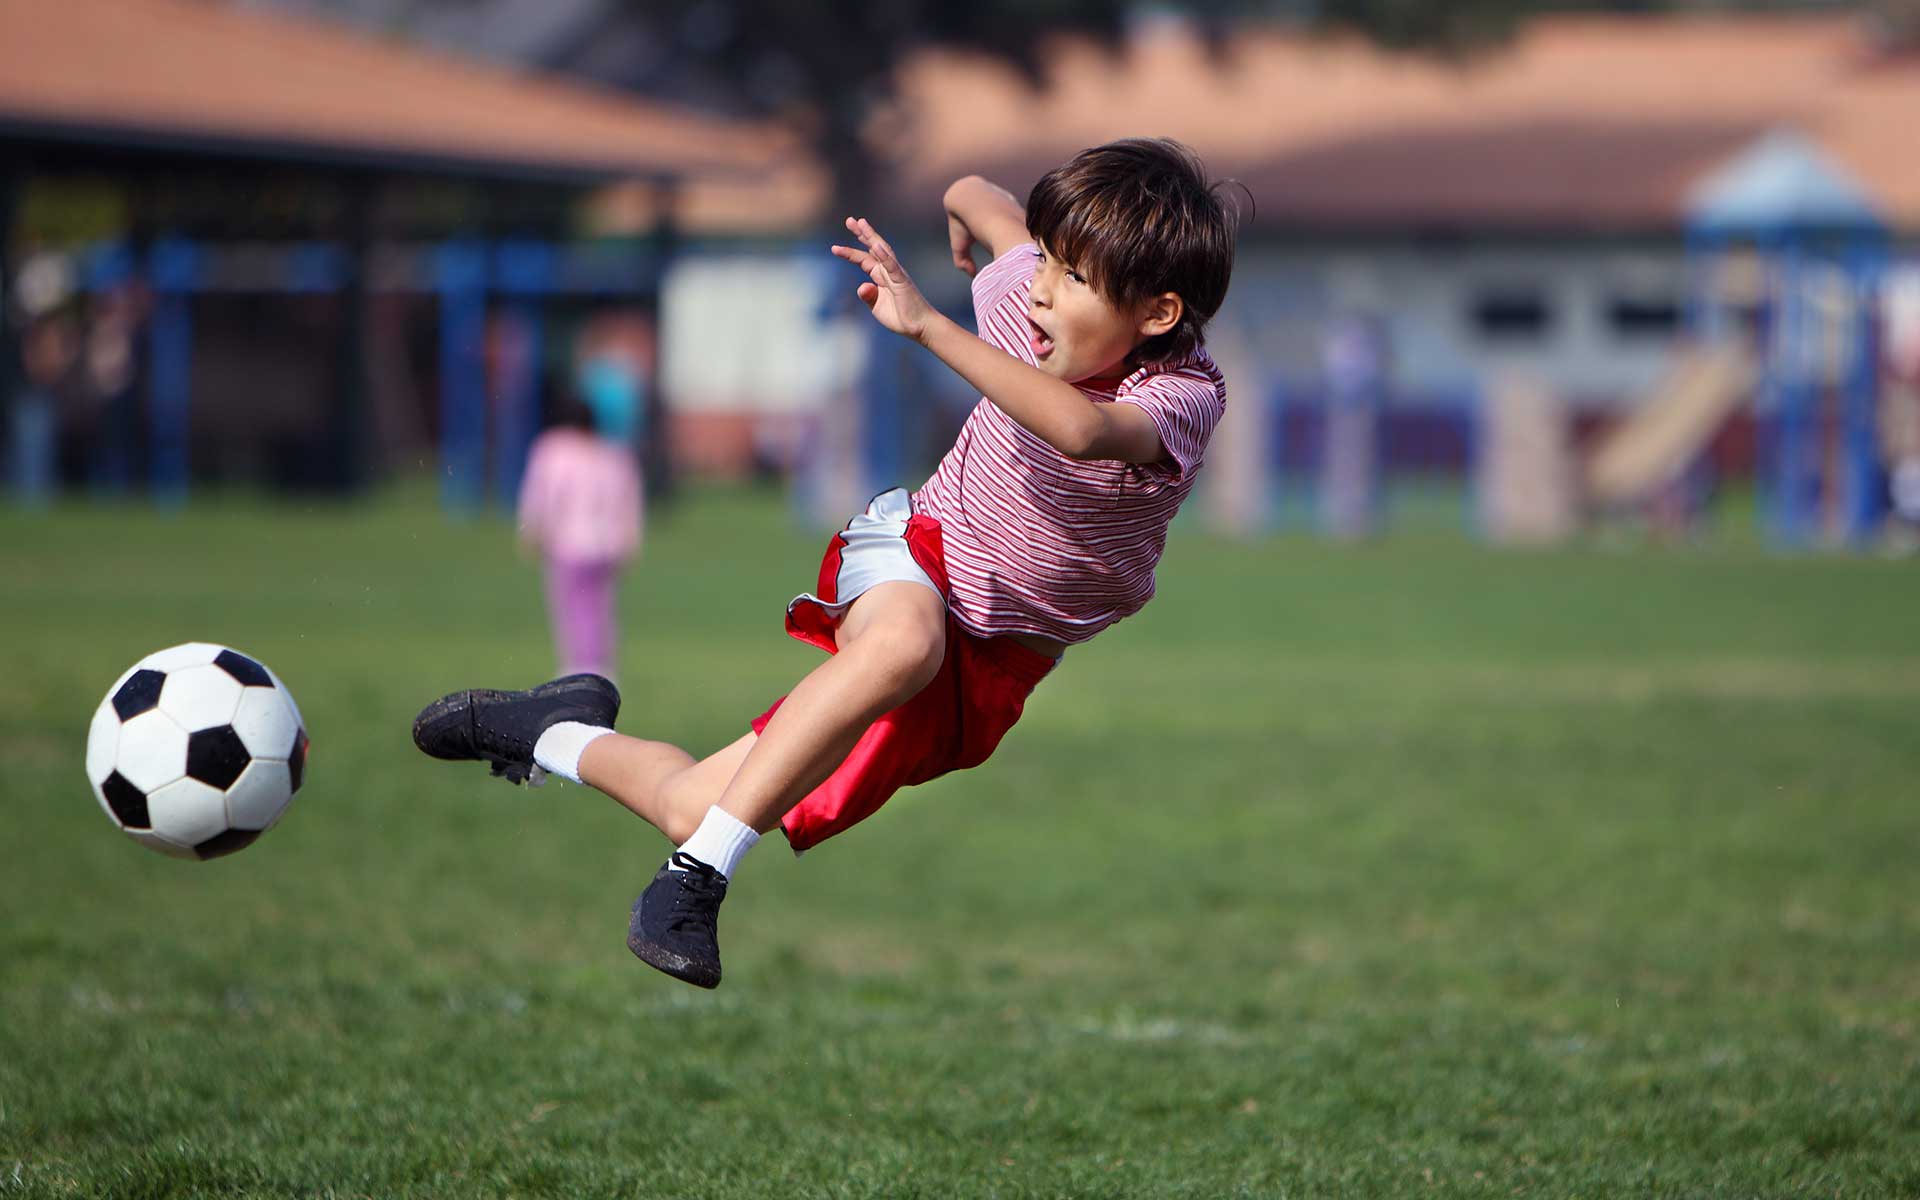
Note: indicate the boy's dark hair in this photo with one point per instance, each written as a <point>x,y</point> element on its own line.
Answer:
<point>1138,217</point>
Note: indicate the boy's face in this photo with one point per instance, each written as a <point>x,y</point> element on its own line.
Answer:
<point>1076,333</point>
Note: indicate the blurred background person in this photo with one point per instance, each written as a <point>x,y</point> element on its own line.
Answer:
<point>581,510</point>
<point>49,346</point>
<point>109,384</point>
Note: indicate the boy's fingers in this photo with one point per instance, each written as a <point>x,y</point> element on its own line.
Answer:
<point>872,264</point>
<point>866,262</point>
<point>871,236</point>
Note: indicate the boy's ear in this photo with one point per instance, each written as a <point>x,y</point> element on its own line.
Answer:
<point>1161,313</point>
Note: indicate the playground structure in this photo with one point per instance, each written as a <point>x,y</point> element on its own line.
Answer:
<point>477,413</point>
<point>1655,447</point>
<point>1787,258</point>
<point>486,424</point>
<point>1782,217</point>
<point>1787,255</point>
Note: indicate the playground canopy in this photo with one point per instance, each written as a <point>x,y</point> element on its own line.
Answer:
<point>1782,185</point>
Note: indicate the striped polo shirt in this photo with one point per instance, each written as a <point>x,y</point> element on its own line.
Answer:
<point>1037,542</point>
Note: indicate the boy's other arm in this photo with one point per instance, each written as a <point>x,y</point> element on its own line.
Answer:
<point>983,212</point>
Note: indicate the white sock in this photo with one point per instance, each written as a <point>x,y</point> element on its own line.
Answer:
<point>559,748</point>
<point>721,841</point>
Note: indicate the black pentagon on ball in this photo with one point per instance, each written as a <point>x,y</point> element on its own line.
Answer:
<point>226,843</point>
<point>297,760</point>
<point>247,671</point>
<point>216,756</point>
<point>139,693</point>
<point>128,802</point>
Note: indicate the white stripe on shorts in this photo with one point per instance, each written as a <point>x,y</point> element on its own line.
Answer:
<point>873,551</point>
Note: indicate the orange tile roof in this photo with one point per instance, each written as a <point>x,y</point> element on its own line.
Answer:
<point>181,72</point>
<point>1584,121</point>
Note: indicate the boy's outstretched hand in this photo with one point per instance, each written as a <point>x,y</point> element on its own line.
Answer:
<point>890,293</point>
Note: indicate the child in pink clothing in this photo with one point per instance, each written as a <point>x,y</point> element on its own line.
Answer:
<point>581,509</point>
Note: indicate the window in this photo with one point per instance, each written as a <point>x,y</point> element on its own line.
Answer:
<point>1512,314</point>
<point>1643,317</point>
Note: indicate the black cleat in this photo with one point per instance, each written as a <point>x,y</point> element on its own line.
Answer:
<point>675,922</point>
<point>500,728</point>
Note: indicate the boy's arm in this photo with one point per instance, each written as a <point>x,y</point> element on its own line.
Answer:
<point>984,212</point>
<point>1050,409</point>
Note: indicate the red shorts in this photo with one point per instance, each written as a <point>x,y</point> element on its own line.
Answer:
<point>953,723</point>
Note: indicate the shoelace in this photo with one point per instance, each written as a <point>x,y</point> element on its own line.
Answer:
<point>696,902</point>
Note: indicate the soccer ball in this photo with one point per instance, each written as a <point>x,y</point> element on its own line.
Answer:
<point>196,751</point>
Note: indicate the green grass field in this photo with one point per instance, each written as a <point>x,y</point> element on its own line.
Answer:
<point>1410,869</point>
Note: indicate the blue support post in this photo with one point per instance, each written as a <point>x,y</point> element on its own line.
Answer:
<point>1275,396</point>
<point>461,268</point>
<point>1795,466</point>
<point>1706,315</point>
<point>1353,359</point>
<point>175,272</point>
<point>1865,484</point>
<point>1473,410</point>
<point>105,266</point>
<point>524,270</point>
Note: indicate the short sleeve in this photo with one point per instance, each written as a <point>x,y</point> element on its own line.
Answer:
<point>1185,402</point>
<point>1000,300</point>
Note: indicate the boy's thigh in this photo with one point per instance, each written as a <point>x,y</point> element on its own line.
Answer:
<point>910,609</point>
<point>955,723</point>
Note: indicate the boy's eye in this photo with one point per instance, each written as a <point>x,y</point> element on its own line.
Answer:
<point>1076,276</point>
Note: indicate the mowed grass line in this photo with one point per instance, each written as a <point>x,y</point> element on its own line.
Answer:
<point>1404,869</point>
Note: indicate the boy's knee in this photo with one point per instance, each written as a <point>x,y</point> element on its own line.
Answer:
<point>679,826</point>
<point>683,809</point>
<point>906,653</point>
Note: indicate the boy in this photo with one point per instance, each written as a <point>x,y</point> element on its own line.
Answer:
<point>941,610</point>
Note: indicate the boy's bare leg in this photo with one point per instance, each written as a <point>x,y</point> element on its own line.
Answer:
<point>890,644</point>
<point>659,782</point>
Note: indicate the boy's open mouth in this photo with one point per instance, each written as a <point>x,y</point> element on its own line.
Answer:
<point>1038,338</point>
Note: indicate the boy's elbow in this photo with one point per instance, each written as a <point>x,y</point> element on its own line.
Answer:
<point>1081,439</point>
<point>957,187</point>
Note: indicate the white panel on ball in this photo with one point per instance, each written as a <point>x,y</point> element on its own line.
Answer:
<point>266,721</point>
<point>288,693</point>
<point>188,811</point>
<point>155,842</point>
<point>103,741</point>
<point>173,658</point>
<point>153,751</point>
<point>200,697</point>
<point>260,795</point>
